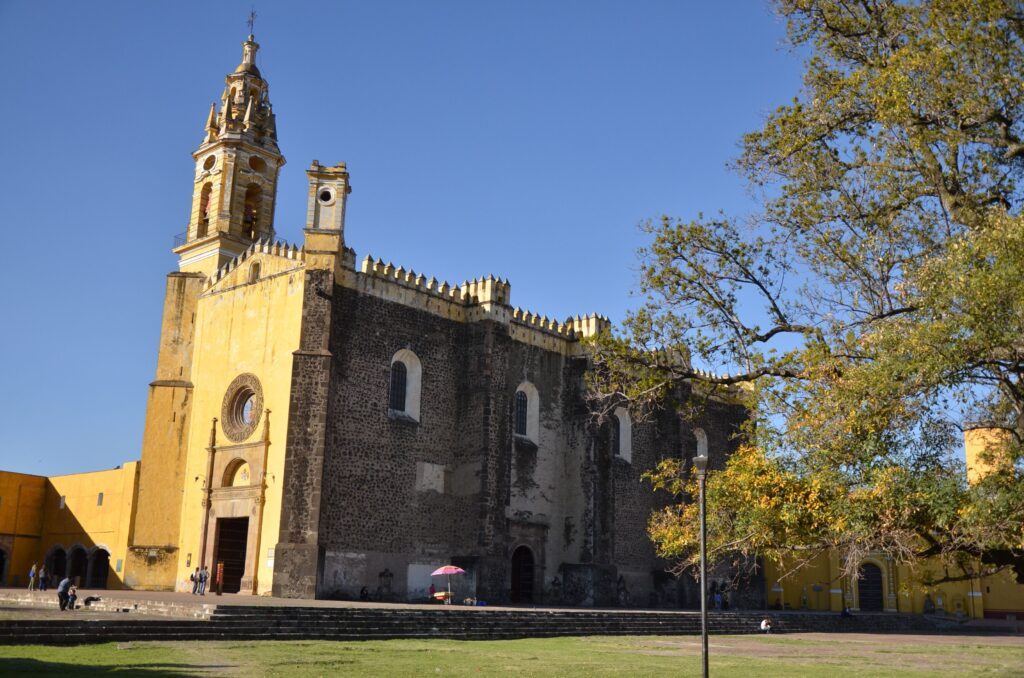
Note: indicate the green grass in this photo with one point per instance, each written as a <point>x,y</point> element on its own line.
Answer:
<point>789,657</point>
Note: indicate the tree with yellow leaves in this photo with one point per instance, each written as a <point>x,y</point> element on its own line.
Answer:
<point>874,309</point>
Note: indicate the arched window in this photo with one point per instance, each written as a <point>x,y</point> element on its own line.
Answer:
<point>404,390</point>
<point>526,412</point>
<point>251,214</point>
<point>203,227</point>
<point>521,404</point>
<point>396,401</point>
<point>254,272</point>
<point>622,432</point>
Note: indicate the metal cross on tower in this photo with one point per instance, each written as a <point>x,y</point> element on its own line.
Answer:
<point>252,19</point>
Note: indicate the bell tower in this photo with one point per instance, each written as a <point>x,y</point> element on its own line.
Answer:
<point>237,166</point>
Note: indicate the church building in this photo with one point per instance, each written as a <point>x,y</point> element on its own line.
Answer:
<point>319,426</point>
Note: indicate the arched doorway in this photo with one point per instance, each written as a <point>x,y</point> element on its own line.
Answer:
<point>57,563</point>
<point>869,588</point>
<point>3,567</point>
<point>522,575</point>
<point>78,564</point>
<point>99,564</point>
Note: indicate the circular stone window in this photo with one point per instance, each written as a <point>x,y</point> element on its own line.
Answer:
<point>257,163</point>
<point>325,196</point>
<point>243,404</point>
<point>210,162</point>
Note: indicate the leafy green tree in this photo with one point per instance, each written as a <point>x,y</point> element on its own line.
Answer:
<point>870,313</point>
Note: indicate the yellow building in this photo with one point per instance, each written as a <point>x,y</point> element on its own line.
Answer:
<point>77,525</point>
<point>886,586</point>
<point>271,423</point>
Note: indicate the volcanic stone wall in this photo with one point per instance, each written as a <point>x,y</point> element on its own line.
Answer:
<point>400,497</point>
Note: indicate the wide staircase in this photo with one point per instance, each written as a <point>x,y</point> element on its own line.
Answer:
<point>240,622</point>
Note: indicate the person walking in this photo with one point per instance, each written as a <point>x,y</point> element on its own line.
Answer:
<point>62,592</point>
<point>32,578</point>
<point>204,576</point>
<point>43,578</point>
<point>194,578</point>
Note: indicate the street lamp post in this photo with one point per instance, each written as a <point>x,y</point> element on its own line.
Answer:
<point>701,464</point>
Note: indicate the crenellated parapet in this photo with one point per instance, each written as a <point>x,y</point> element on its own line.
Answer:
<point>268,247</point>
<point>483,298</point>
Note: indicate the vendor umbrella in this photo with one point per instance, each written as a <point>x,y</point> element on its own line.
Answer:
<point>448,570</point>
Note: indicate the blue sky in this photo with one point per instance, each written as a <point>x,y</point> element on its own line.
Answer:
<point>523,139</point>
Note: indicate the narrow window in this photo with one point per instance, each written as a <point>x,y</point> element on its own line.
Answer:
<point>522,407</point>
<point>63,501</point>
<point>616,432</point>
<point>396,401</point>
<point>203,227</point>
<point>251,212</point>
<point>254,272</point>
<point>99,499</point>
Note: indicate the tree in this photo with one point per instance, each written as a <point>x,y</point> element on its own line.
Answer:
<point>873,310</point>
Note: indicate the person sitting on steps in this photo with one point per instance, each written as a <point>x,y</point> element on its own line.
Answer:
<point>766,625</point>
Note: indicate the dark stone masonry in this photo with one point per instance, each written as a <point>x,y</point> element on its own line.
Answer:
<point>377,498</point>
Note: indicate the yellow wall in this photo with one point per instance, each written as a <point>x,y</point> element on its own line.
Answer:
<point>998,595</point>
<point>42,524</point>
<point>21,524</point>
<point>241,328</point>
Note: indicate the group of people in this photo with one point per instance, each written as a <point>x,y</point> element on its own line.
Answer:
<point>199,579</point>
<point>67,592</point>
<point>38,577</point>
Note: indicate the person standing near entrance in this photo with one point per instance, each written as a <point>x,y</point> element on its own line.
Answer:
<point>204,575</point>
<point>32,578</point>
<point>43,578</point>
<point>194,578</point>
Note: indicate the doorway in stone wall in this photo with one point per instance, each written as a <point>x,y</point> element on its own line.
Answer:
<point>230,547</point>
<point>3,567</point>
<point>869,588</point>
<point>57,563</point>
<point>522,575</point>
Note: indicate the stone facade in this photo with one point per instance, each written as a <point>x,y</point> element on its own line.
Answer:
<point>291,358</point>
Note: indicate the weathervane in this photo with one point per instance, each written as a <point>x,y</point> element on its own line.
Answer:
<point>252,19</point>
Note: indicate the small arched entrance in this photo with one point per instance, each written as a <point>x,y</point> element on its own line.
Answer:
<point>57,563</point>
<point>78,564</point>
<point>99,564</point>
<point>869,588</point>
<point>522,575</point>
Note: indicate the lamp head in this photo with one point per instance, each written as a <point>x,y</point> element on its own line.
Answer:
<point>700,462</point>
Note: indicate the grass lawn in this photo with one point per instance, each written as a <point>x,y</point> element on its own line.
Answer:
<point>849,655</point>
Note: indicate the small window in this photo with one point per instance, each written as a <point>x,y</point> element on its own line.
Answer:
<point>526,412</point>
<point>99,499</point>
<point>119,564</point>
<point>254,272</point>
<point>63,501</point>
<point>404,386</point>
<point>396,400</point>
<point>522,405</point>
<point>622,434</point>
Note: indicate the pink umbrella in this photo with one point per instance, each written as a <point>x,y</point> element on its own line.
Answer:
<point>448,570</point>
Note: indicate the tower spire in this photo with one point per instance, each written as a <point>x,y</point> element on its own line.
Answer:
<point>237,166</point>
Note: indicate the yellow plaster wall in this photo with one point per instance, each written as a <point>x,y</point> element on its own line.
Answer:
<point>242,328</point>
<point>32,521</point>
<point>21,524</point>
<point>83,522</point>
<point>797,589</point>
